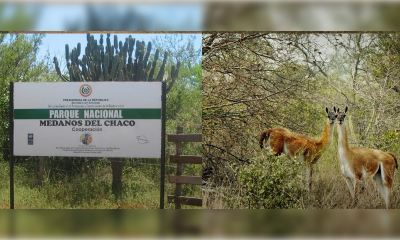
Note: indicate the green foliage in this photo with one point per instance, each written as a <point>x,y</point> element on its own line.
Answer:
<point>306,112</point>
<point>184,101</point>
<point>391,141</point>
<point>184,110</point>
<point>184,104</point>
<point>17,63</point>
<point>271,182</point>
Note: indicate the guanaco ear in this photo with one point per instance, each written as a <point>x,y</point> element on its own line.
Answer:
<point>345,110</point>
<point>334,109</point>
<point>327,110</point>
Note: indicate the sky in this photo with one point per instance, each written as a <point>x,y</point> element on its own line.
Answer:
<point>156,15</point>
<point>54,43</point>
<point>69,16</point>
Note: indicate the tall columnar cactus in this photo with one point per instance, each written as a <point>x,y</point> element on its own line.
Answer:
<point>128,61</point>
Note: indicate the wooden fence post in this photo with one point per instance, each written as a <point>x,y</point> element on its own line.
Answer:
<point>179,169</point>
<point>180,159</point>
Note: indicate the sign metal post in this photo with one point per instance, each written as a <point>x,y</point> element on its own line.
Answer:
<point>163,113</point>
<point>12,145</point>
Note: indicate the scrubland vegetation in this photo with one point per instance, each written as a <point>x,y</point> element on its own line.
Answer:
<point>256,81</point>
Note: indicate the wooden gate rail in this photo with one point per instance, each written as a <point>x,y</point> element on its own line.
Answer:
<point>178,179</point>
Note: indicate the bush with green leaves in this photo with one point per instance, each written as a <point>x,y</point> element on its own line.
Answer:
<point>272,182</point>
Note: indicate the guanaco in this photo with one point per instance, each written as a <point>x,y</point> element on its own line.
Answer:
<point>362,163</point>
<point>308,149</point>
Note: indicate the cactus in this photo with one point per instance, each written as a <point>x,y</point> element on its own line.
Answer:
<point>101,39</point>
<point>106,65</point>
<point>157,54</point>
<point>162,69</point>
<point>79,49</point>
<point>67,52</point>
<point>131,45</point>
<point>124,61</point>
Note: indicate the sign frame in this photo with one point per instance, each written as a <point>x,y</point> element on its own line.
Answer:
<point>162,155</point>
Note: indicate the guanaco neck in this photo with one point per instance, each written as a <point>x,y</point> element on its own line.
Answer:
<point>342,137</point>
<point>327,136</point>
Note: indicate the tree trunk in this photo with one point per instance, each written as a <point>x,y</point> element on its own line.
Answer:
<point>116,166</point>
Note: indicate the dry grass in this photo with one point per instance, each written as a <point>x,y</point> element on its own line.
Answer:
<point>329,190</point>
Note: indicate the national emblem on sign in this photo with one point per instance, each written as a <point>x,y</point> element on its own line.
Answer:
<point>86,138</point>
<point>85,90</point>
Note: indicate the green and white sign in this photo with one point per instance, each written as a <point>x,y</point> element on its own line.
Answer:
<point>88,119</point>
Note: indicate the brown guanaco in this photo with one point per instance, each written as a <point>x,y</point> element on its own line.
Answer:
<point>294,145</point>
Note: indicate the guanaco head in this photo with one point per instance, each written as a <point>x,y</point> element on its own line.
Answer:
<point>341,115</point>
<point>331,115</point>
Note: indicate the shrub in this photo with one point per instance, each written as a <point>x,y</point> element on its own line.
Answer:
<point>272,182</point>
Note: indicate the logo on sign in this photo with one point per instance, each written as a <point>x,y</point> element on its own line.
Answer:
<point>85,90</point>
<point>30,138</point>
<point>86,138</point>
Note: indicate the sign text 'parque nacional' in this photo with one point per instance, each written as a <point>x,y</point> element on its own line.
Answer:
<point>88,119</point>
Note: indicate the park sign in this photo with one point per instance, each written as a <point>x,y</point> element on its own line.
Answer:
<point>87,119</point>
